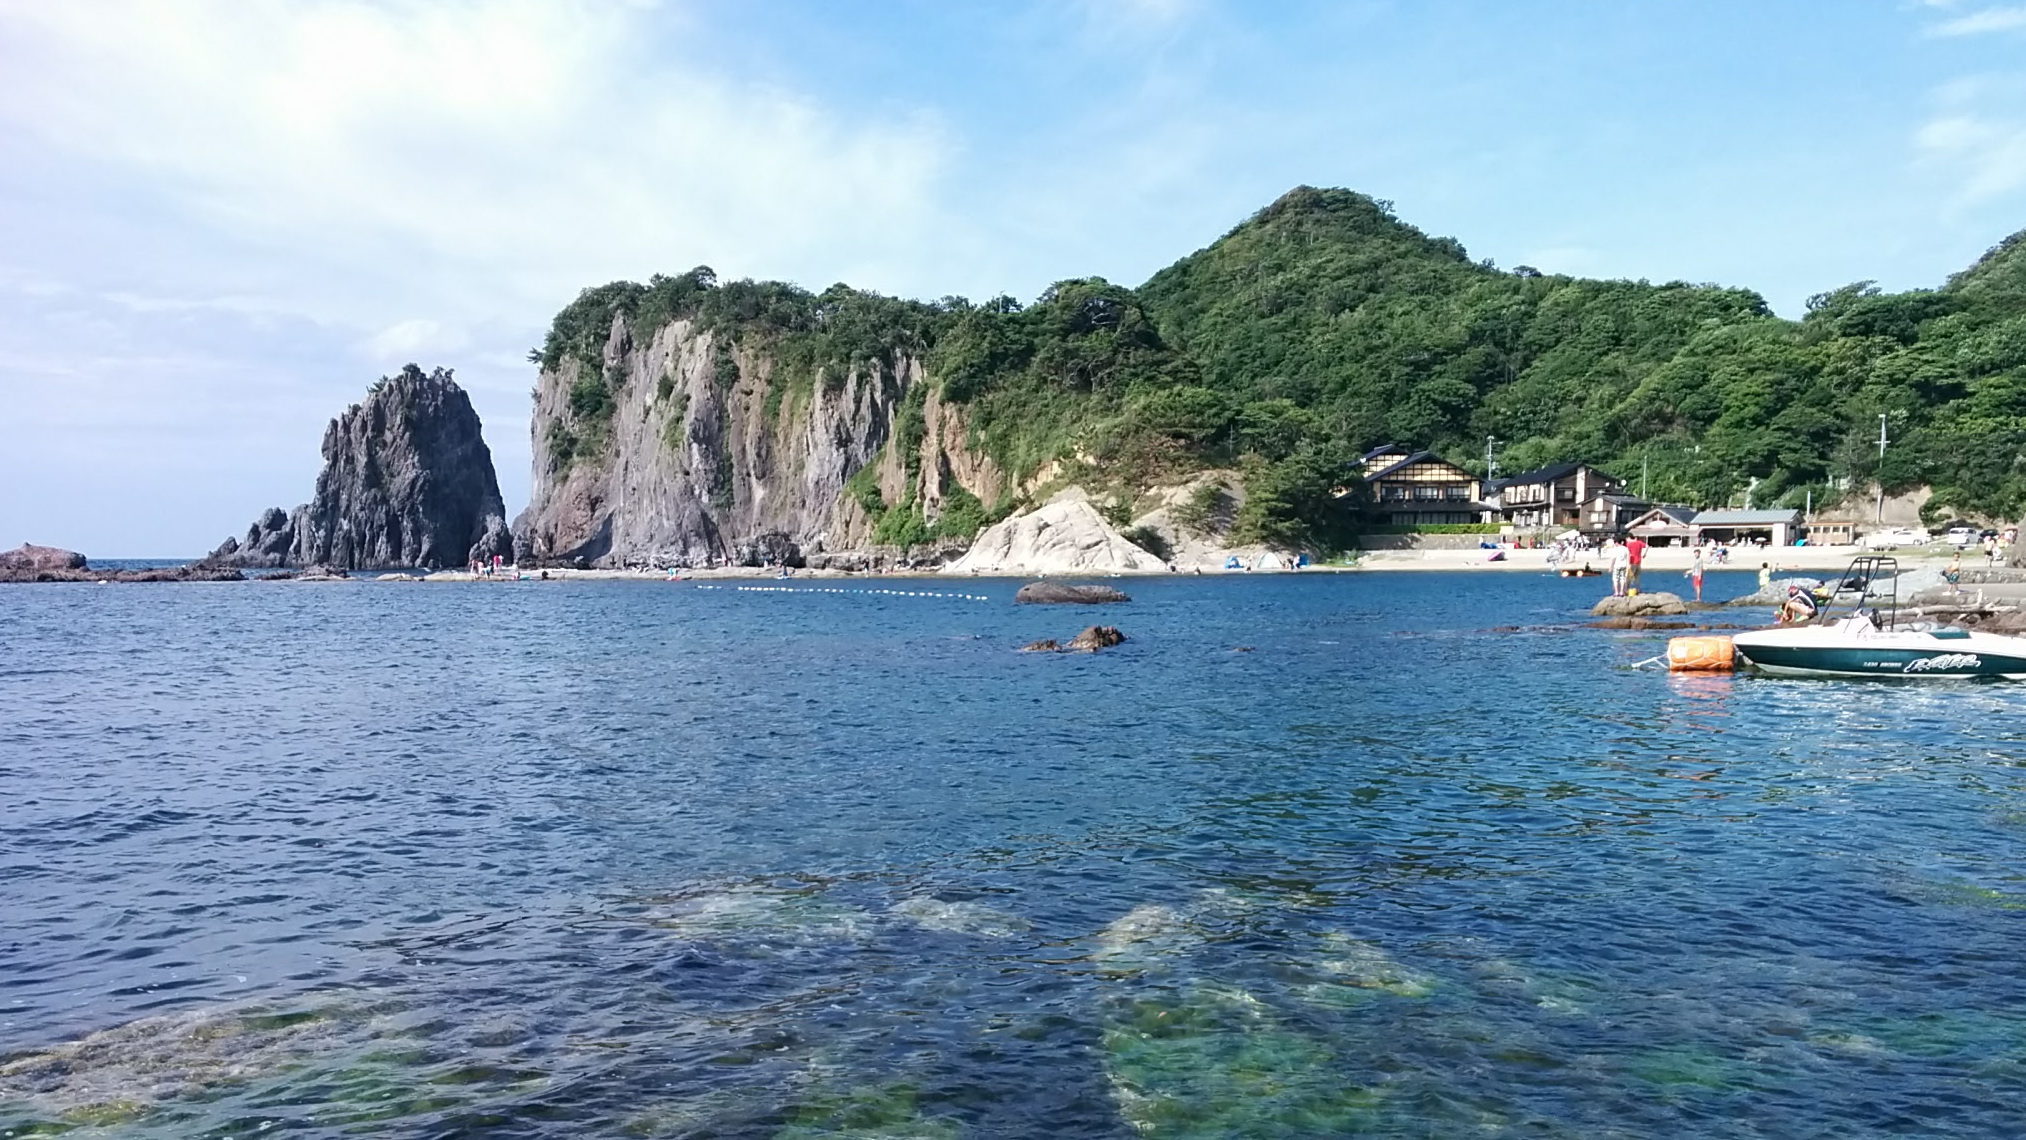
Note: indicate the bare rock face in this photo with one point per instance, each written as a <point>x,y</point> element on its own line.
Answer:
<point>1067,536</point>
<point>678,445</point>
<point>407,481</point>
<point>1640,606</point>
<point>28,556</point>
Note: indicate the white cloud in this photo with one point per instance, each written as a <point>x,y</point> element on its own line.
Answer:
<point>1982,22</point>
<point>1988,155</point>
<point>531,140</point>
<point>315,192</point>
<point>406,339</point>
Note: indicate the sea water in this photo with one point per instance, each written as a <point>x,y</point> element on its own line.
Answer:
<point>1398,855</point>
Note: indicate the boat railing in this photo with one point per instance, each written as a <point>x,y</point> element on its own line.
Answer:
<point>1872,579</point>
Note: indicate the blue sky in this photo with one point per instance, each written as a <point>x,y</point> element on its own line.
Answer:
<point>219,221</point>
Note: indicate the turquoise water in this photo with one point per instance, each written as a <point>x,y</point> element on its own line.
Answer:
<point>650,859</point>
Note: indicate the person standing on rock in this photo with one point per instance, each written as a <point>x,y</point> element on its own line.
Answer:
<point>1635,554</point>
<point>1695,573</point>
<point>1620,564</point>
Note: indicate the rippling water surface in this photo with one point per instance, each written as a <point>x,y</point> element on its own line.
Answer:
<point>652,859</point>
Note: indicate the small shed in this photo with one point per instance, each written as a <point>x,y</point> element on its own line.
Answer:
<point>1773,528</point>
<point>1829,532</point>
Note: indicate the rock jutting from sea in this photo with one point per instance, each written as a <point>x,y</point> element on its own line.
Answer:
<point>30,563</point>
<point>407,481</point>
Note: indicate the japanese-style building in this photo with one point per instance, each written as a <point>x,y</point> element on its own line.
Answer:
<point>1664,525</point>
<point>1418,488</point>
<point>1606,514</point>
<point>1548,497</point>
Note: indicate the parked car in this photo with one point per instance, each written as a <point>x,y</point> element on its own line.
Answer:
<point>1962,536</point>
<point>1894,537</point>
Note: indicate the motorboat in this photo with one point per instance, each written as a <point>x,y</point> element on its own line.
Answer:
<point>1871,640</point>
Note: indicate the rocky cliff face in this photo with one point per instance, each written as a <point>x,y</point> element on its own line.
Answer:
<point>682,447</point>
<point>407,481</point>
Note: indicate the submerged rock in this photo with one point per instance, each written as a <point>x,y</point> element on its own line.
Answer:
<point>1091,640</point>
<point>407,481</point>
<point>1640,605</point>
<point>155,574</point>
<point>960,917</point>
<point>762,916</point>
<point>125,1072</point>
<point>1213,1060</point>
<point>1065,593</point>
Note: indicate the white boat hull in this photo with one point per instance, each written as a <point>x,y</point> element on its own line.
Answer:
<point>1859,649</point>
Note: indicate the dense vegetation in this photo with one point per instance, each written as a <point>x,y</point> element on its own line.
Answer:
<point>1323,325</point>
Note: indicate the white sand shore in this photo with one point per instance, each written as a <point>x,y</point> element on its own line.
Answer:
<point>1810,560</point>
<point>1671,561</point>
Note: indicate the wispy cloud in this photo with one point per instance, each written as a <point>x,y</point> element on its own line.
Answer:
<point>528,145</point>
<point>316,192</point>
<point>1989,154</point>
<point>1985,21</point>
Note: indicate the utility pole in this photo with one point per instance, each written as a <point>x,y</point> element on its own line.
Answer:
<point>1644,462</point>
<point>1881,467</point>
<point>1490,463</point>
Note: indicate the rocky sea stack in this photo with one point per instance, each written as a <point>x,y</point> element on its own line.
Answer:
<point>407,481</point>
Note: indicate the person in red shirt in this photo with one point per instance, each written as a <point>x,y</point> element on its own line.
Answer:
<point>1635,553</point>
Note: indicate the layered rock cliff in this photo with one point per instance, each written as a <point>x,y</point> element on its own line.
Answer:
<point>678,445</point>
<point>407,481</point>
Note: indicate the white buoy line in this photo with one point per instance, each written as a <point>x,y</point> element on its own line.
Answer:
<point>841,590</point>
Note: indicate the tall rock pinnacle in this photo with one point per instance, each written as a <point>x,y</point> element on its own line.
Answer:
<point>407,481</point>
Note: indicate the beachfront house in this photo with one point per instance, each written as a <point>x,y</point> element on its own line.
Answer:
<point>1550,497</point>
<point>1410,487</point>
<point>1772,528</point>
<point>1664,525</point>
<point>1607,513</point>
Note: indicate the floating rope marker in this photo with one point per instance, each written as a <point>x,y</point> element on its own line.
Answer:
<point>949,596</point>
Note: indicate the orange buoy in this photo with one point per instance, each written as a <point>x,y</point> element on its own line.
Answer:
<point>1701,655</point>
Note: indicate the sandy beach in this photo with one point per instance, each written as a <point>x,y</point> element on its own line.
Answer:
<point>1812,560</point>
<point>1660,561</point>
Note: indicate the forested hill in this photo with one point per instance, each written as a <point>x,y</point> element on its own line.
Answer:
<point>1324,325</point>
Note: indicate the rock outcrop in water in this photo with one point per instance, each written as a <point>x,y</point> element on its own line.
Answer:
<point>1065,593</point>
<point>30,557</point>
<point>1640,606</point>
<point>29,563</point>
<point>407,481</point>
